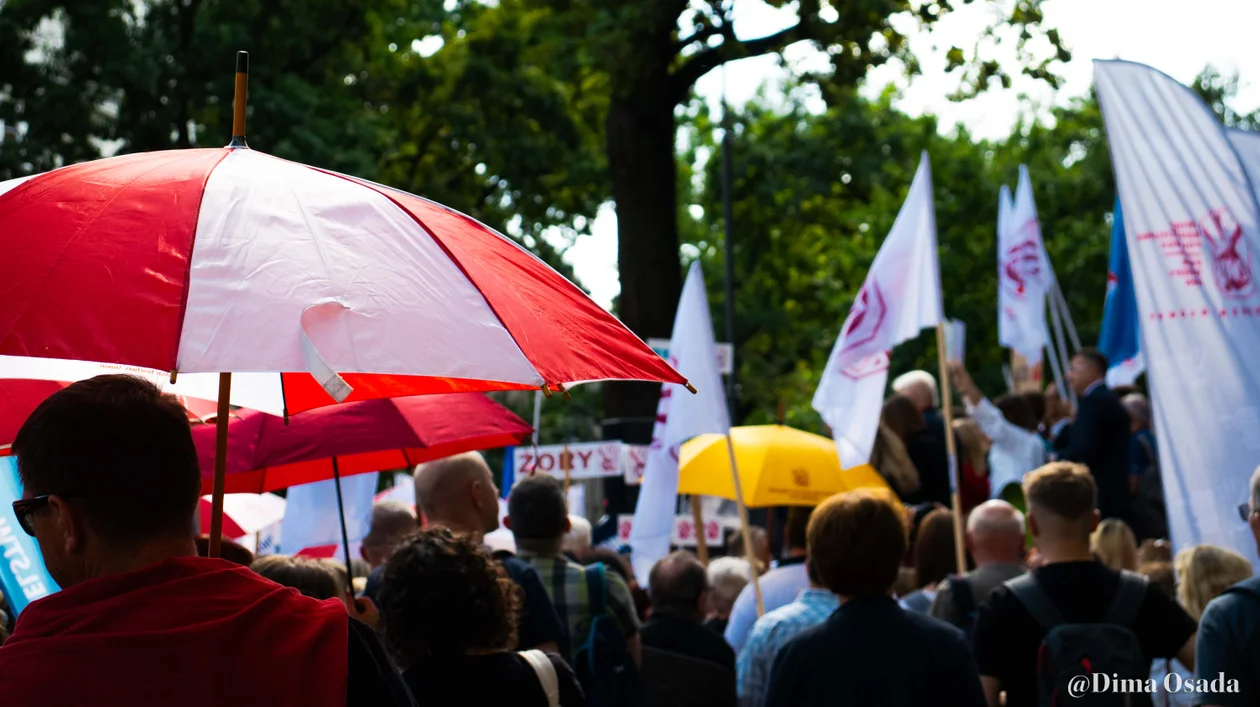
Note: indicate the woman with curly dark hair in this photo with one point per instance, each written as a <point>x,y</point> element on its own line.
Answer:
<point>448,615</point>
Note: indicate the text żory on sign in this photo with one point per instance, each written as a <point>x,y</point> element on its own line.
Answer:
<point>585,460</point>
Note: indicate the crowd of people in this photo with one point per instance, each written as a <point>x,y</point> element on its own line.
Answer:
<point>864,605</point>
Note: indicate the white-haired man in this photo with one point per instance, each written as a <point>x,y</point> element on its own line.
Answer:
<point>727,578</point>
<point>1229,632</point>
<point>995,538</point>
<point>920,388</point>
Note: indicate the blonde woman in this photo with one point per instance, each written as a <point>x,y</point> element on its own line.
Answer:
<point>891,460</point>
<point>1115,545</point>
<point>1203,572</point>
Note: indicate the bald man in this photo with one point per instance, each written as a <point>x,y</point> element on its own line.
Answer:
<point>459,493</point>
<point>995,538</point>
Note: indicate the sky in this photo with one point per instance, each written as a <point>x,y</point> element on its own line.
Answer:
<point>1178,37</point>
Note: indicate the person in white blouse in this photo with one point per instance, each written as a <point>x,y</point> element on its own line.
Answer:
<point>1011,425</point>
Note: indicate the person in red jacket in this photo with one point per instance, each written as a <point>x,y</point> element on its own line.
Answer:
<point>111,480</point>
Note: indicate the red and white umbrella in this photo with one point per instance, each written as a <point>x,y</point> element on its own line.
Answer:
<point>212,260</point>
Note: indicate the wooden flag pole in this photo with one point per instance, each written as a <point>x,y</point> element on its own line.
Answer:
<point>697,517</point>
<point>743,522</point>
<point>565,466</point>
<point>947,412</point>
<point>221,422</point>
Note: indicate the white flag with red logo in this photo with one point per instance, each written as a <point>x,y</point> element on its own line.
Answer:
<point>679,417</point>
<point>900,297</point>
<point>1190,223</point>
<point>1023,275</point>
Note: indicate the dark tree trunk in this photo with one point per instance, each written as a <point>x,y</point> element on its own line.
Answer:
<point>641,134</point>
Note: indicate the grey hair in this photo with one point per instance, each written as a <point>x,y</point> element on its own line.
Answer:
<point>1138,408</point>
<point>727,577</point>
<point>908,380</point>
<point>995,516</point>
<point>578,539</point>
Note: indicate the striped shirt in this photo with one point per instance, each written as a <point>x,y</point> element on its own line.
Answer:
<point>565,582</point>
<point>772,632</point>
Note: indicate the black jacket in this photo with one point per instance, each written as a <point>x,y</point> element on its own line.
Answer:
<point>1099,439</point>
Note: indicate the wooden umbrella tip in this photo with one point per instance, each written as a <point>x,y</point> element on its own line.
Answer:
<point>689,387</point>
<point>174,373</point>
<point>546,391</point>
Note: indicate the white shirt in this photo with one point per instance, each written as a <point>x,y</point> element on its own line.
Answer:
<point>1016,451</point>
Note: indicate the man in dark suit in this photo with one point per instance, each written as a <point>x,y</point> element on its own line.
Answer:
<point>679,588</point>
<point>1099,436</point>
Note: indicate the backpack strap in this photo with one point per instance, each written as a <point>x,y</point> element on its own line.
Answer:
<point>1128,599</point>
<point>595,588</point>
<point>963,597</point>
<point>546,673</point>
<point>1029,592</point>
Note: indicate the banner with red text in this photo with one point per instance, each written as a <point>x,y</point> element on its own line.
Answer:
<point>1190,219</point>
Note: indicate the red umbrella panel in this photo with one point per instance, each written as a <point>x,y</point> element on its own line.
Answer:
<point>19,398</point>
<point>265,454</point>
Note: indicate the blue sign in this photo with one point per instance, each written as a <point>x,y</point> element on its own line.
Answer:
<point>23,578</point>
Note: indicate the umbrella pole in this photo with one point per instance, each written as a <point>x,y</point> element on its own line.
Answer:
<point>341,516</point>
<point>220,463</point>
<point>697,517</point>
<point>743,521</point>
<point>947,411</point>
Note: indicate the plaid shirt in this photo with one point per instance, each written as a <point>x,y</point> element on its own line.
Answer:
<point>565,582</point>
<point>771,633</point>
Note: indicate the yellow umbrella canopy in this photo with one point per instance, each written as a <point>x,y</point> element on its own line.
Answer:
<point>778,466</point>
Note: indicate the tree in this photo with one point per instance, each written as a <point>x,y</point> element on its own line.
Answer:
<point>648,67</point>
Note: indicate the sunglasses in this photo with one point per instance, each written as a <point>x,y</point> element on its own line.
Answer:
<point>1244,512</point>
<point>23,509</point>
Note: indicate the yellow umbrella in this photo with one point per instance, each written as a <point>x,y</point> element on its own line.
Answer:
<point>778,466</point>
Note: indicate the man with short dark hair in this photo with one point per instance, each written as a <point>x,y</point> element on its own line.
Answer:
<point>1008,638</point>
<point>538,517</point>
<point>1099,437</point>
<point>779,587</point>
<point>870,651</point>
<point>1229,631</point>
<point>111,480</point>
<point>679,589</point>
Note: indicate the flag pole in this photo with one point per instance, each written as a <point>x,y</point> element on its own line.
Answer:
<point>697,517</point>
<point>947,411</point>
<point>743,522</point>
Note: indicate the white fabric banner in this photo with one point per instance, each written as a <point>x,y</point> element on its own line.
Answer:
<point>900,297</point>
<point>1190,217</point>
<point>1023,275</point>
<point>679,417</point>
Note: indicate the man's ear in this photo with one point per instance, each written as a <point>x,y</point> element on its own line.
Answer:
<point>969,541</point>
<point>1033,526</point>
<point>1093,524</point>
<point>507,522</point>
<point>568,524</point>
<point>69,524</point>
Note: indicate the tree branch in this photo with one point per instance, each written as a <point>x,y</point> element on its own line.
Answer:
<point>682,79</point>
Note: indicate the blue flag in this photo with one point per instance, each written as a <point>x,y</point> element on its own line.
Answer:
<point>509,472</point>
<point>22,575</point>
<point>1119,339</point>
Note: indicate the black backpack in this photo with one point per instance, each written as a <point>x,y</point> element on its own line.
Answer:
<point>603,665</point>
<point>1069,651</point>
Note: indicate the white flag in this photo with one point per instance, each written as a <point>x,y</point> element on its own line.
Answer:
<point>900,297</point>
<point>679,417</point>
<point>1023,275</point>
<point>1190,221</point>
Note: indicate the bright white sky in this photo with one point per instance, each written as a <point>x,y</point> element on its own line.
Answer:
<point>1179,37</point>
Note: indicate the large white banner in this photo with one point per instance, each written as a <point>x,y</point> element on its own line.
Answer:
<point>900,297</point>
<point>1023,274</point>
<point>585,460</point>
<point>1190,216</point>
<point>679,417</point>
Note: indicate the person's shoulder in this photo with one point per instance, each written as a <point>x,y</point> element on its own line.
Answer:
<point>1239,603</point>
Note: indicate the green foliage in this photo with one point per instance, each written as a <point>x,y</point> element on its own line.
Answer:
<point>815,195</point>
